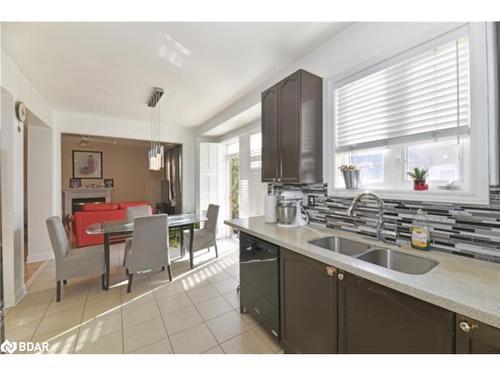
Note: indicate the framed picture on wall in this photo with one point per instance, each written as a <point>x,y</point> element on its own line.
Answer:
<point>87,164</point>
<point>75,183</point>
<point>108,182</point>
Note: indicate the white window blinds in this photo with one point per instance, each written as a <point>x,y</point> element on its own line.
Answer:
<point>424,97</point>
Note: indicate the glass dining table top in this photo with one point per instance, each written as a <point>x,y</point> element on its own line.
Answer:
<point>124,226</point>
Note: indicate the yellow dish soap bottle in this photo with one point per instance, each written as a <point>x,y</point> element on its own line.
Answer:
<point>420,234</point>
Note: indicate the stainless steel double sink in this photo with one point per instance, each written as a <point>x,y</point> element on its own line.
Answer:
<point>384,257</point>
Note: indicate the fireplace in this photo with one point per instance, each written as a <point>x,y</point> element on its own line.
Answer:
<point>74,198</point>
<point>77,203</point>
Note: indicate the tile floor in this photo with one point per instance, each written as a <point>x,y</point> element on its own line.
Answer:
<point>198,312</point>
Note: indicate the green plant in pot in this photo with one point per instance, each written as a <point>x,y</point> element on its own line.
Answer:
<point>419,176</point>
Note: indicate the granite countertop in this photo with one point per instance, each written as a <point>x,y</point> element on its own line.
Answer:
<point>466,286</point>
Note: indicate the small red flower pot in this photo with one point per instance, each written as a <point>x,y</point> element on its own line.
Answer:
<point>420,186</point>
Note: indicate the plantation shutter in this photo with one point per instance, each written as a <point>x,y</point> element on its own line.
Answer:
<point>252,190</point>
<point>425,97</point>
<point>209,175</point>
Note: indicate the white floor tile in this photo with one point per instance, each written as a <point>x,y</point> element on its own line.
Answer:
<point>193,341</point>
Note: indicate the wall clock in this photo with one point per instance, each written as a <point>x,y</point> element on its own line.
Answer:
<point>21,111</point>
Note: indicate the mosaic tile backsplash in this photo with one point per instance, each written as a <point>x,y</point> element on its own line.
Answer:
<point>461,229</point>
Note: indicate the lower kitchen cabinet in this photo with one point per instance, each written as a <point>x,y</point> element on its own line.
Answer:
<point>473,337</point>
<point>309,305</point>
<point>375,319</point>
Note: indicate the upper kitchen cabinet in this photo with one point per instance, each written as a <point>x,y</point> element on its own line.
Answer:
<point>292,127</point>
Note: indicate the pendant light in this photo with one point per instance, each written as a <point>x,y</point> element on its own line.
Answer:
<point>156,151</point>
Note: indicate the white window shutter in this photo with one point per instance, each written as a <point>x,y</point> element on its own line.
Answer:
<point>209,177</point>
<point>252,189</point>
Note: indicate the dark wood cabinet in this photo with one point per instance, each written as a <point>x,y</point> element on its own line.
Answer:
<point>309,305</point>
<point>320,309</point>
<point>269,134</point>
<point>292,126</point>
<point>473,337</point>
<point>375,319</point>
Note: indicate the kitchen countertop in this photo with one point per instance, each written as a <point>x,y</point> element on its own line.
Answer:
<point>466,286</point>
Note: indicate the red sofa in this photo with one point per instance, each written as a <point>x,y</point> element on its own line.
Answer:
<point>95,213</point>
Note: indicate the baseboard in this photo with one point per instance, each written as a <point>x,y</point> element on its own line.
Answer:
<point>12,300</point>
<point>20,294</point>
<point>39,257</point>
<point>33,277</point>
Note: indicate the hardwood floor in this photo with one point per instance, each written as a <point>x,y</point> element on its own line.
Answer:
<point>30,269</point>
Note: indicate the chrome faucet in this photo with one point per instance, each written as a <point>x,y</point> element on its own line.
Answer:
<point>380,202</point>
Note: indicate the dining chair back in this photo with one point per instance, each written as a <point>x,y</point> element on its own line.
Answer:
<point>58,239</point>
<point>207,237</point>
<point>71,263</point>
<point>148,248</point>
<point>138,211</point>
<point>212,216</point>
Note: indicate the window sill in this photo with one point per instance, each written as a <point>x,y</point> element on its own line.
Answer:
<point>444,196</point>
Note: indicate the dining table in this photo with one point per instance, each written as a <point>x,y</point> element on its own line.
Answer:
<point>119,228</point>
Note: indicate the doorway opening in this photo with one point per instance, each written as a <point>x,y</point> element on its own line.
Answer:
<point>234,189</point>
<point>37,193</point>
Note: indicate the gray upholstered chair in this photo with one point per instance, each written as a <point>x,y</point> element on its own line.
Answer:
<point>132,213</point>
<point>137,211</point>
<point>206,237</point>
<point>148,248</point>
<point>71,263</point>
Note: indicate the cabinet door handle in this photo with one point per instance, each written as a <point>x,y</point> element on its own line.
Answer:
<point>340,276</point>
<point>331,271</point>
<point>466,326</point>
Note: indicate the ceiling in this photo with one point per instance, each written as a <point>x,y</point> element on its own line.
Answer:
<point>94,141</point>
<point>109,69</point>
<point>246,117</point>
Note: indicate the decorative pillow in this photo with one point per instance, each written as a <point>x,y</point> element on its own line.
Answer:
<point>91,207</point>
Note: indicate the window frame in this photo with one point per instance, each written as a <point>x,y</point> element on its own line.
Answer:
<point>483,114</point>
<point>462,164</point>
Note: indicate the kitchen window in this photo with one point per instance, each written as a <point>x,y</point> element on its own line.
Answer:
<point>417,109</point>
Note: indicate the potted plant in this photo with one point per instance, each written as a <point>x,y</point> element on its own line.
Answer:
<point>419,176</point>
<point>351,175</point>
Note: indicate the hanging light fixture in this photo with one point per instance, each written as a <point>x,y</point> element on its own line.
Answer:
<point>156,151</point>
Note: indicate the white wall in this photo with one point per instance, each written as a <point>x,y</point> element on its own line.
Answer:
<point>40,188</point>
<point>12,202</point>
<point>14,81</point>
<point>112,127</point>
<point>15,87</point>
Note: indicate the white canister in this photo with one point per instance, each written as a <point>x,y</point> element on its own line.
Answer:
<point>270,209</point>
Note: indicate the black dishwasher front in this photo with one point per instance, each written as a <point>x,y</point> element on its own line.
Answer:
<point>259,282</point>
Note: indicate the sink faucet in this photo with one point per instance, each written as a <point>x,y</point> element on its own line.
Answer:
<point>380,202</point>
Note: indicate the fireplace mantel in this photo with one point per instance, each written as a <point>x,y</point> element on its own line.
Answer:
<point>76,193</point>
